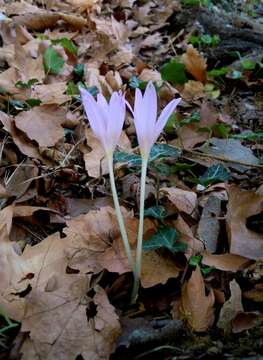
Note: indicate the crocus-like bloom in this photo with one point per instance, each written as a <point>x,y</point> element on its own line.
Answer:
<point>145,114</point>
<point>106,119</point>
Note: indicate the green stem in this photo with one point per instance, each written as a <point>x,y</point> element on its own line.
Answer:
<point>118,212</point>
<point>138,262</point>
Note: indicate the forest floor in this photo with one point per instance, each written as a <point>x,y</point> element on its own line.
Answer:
<point>65,280</point>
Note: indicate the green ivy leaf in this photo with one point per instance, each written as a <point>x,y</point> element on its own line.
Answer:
<point>53,63</point>
<point>249,135</point>
<point>160,167</point>
<point>174,72</point>
<point>214,174</point>
<point>131,160</point>
<point>156,212</point>
<point>159,151</point>
<point>164,238</point>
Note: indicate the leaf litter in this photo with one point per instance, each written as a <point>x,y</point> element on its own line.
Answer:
<point>65,280</point>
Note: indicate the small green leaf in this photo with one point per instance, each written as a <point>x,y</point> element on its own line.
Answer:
<point>131,160</point>
<point>195,260</point>
<point>135,83</point>
<point>164,238</point>
<point>156,212</point>
<point>163,151</point>
<point>161,168</point>
<point>181,167</point>
<point>174,72</point>
<point>247,65</point>
<point>66,44</point>
<point>221,130</point>
<point>218,72</point>
<point>169,127</point>
<point>33,102</point>
<point>194,118</point>
<point>79,70</point>
<point>53,63</point>
<point>214,174</point>
<point>25,85</point>
<point>72,88</point>
<point>206,270</point>
<point>249,135</point>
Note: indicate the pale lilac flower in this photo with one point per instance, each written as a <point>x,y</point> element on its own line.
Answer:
<point>106,119</point>
<point>148,127</point>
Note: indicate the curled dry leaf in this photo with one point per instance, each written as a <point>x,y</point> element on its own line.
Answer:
<point>225,262</point>
<point>241,205</point>
<point>42,124</point>
<point>194,245</point>
<point>196,306</point>
<point>195,64</point>
<point>22,142</point>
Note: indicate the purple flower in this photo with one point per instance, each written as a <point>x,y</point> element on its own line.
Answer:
<point>147,127</point>
<point>106,119</point>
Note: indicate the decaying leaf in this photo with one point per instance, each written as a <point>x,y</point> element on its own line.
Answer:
<point>197,307</point>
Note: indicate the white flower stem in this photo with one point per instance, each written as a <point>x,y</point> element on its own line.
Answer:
<point>118,212</point>
<point>138,262</point>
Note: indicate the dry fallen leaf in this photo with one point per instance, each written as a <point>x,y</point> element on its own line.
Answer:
<point>231,307</point>
<point>185,201</point>
<point>51,93</point>
<point>22,142</point>
<point>28,67</point>
<point>193,91</point>
<point>197,307</point>
<point>225,262</point>
<point>95,160</point>
<point>42,124</point>
<point>245,321</point>
<point>56,311</point>
<point>241,205</point>
<point>152,260</point>
<point>195,63</point>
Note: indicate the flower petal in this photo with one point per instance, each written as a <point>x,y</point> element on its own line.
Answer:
<point>150,104</point>
<point>164,116</point>
<point>93,113</point>
<point>116,115</point>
